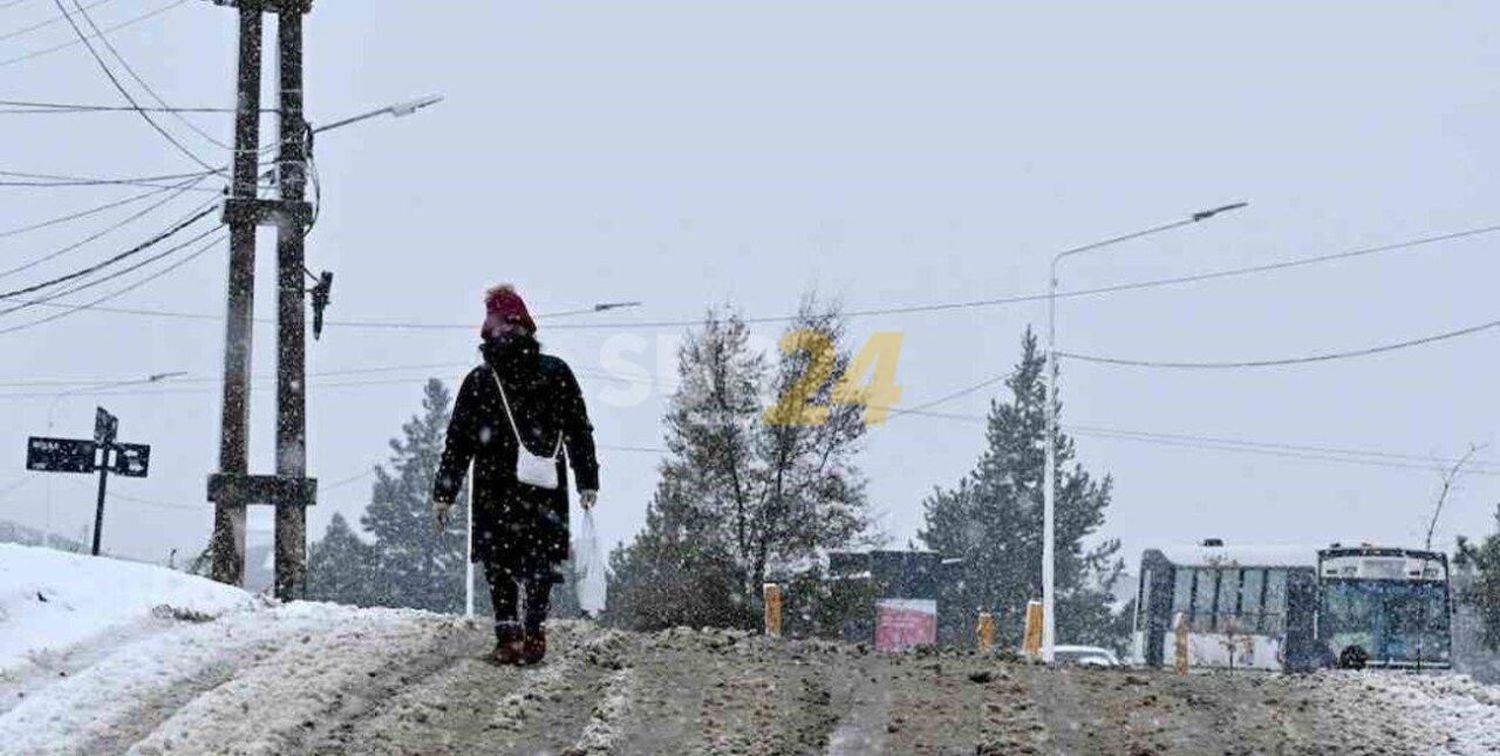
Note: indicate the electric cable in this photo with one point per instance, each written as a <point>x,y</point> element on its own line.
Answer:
<point>81,213</point>
<point>74,43</point>
<point>43,24</point>
<point>195,217</point>
<point>129,69</point>
<point>110,74</point>
<point>1326,357</point>
<point>121,291</point>
<point>114,275</point>
<point>33,107</point>
<point>96,235</point>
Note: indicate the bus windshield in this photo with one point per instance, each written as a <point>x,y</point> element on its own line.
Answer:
<point>1389,619</point>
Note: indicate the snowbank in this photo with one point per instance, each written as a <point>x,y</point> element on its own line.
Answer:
<point>50,600</point>
<point>1463,716</point>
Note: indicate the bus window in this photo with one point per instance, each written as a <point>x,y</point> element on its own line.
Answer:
<point>1250,591</point>
<point>1203,599</point>
<point>1273,617</point>
<point>1229,600</point>
<point>1181,592</point>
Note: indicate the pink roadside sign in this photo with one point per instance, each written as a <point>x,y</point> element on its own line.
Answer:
<point>903,623</point>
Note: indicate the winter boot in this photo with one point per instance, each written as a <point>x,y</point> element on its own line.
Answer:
<point>535,647</point>
<point>510,644</point>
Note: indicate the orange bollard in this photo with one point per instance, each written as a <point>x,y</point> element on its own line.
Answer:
<point>1033,639</point>
<point>985,631</point>
<point>1180,646</point>
<point>772,594</point>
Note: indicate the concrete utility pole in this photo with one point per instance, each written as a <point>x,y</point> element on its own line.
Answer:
<point>233,488</point>
<point>228,545</point>
<point>291,353</point>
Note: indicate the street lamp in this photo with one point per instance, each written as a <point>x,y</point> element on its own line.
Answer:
<point>399,110</point>
<point>606,306</point>
<point>1049,481</point>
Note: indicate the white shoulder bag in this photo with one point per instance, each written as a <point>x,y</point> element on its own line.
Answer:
<point>531,469</point>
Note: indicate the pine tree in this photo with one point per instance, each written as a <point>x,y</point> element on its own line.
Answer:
<point>666,577</point>
<point>992,520</point>
<point>341,567</point>
<point>418,566</point>
<point>740,498</point>
<point>1478,566</point>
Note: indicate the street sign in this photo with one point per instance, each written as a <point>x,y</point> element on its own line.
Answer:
<point>65,455</point>
<point>71,455</point>
<point>105,427</point>
<point>131,460</point>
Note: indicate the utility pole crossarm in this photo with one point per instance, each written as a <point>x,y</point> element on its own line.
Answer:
<point>268,6</point>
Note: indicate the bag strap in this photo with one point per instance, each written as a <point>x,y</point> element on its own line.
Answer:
<point>512,418</point>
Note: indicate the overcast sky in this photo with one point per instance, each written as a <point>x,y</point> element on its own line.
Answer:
<point>688,154</point>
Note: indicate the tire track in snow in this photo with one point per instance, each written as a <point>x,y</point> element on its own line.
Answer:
<point>468,705</point>
<point>385,690</point>
<point>603,730</point>
<point>49,667</point>
<point>555,704</point>
<point>126,693</point>
<point>273,706</point>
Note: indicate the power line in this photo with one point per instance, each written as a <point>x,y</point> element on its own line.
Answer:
<point>194,218</point>
<point>117,274</point>
<point>949,397</point>
<point>74,43</point>
<point>265,376</point>
<point>1290,451</point>
<point>63,108</point>
<point>43,24</point>
<point>1430,461</point>
<point>57,180</point>
<point>121,291</point>
<point>1279,453</point>
<point>110,74</point>
<point>81,214</point>
<point>1328,357</point>
<point>144,85</point>
<point>902,310</point>
<point>95,236</point>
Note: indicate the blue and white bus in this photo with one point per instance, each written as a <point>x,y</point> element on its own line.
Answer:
<point>1294,608</point>
<point>1385,607</point>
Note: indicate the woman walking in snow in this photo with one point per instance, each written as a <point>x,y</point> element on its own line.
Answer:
<point>515,416</point>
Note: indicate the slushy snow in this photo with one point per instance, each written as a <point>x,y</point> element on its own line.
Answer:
<point>88,664</point>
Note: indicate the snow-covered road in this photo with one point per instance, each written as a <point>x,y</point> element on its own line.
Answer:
<point>169,664</point>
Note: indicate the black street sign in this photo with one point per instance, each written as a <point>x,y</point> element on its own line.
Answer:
<point>105,427</point>
<point>131,460</point>
<point>66,455</point>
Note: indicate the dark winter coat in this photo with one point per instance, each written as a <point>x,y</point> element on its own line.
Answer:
<point>518,527</point>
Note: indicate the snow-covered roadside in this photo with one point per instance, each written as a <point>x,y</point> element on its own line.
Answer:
<point>313,675</point>
<point>99,655</point>
<point>52,600</point>
<point>1461,716</point>
<point>112,701</point>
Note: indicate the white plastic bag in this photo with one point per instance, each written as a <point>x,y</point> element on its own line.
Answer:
<point>589,564</point>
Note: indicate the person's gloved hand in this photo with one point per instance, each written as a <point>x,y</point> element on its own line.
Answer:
<point>588,499</point>
<point>442,509</point>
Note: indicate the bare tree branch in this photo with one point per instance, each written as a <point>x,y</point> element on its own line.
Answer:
<point>1449,479</point>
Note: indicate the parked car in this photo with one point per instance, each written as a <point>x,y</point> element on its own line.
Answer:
<point>1085,656</point>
